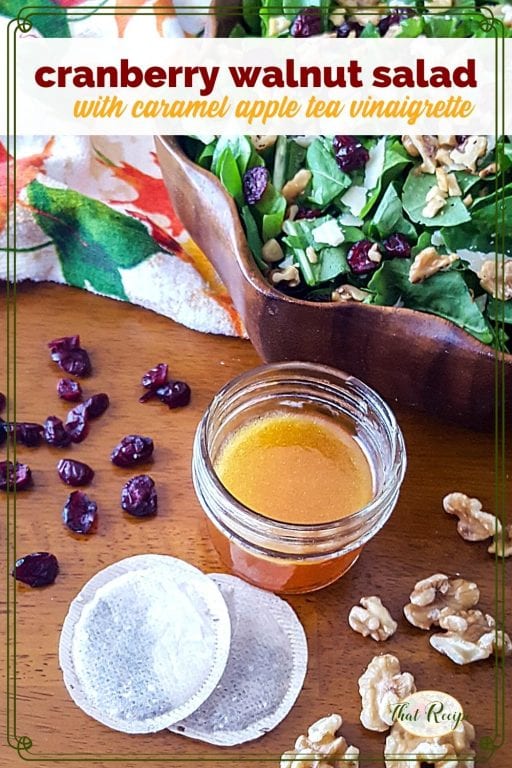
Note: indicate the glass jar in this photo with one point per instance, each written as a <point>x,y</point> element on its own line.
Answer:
<point>290,557</point>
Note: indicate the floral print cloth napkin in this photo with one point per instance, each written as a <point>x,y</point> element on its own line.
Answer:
<point>93,211</point>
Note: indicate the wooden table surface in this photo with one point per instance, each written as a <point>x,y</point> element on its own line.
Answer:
<point>420,538</point>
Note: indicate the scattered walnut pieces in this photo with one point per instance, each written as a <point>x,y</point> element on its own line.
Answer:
<point>427,262</point>
<point>288,275</point>
<point>473,148</point>
<point>439,596</point>
<point>263,142</point>
<point>272,251</point>
<point>496,278</point>
<point>372,619</point>
<point>452,750</point>
<point>474,524</point>
<point>349,293</point>
<point>278,24</point>
<point>434,202</point>
<point>296,186</point>
<point>382,686</point>
<point>502,544</point>
<point>321,748</point>
<point>471,636</point>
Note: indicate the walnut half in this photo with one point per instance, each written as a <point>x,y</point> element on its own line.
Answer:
<point>372,619</point>
<point>439,596</point>
<point>474,524</point>
<point>321,748</point>
<point>496,278</point>
<point>427,262</point>
<point>381,687</point>
<point>453,750</point>
<point>471,636</point>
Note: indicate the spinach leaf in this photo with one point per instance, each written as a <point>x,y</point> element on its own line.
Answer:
<point>332,262</point>
<point>241,150</point>
<point>500,311</point>
<point>229,174</point>
<point>253,236</point>
<point>251,15</point>
<point>415,191</point>
<point>271,209</point>
<point>328,181</point>
<point>389,218</point>
<point>445,294</point>
<point>395,160</point>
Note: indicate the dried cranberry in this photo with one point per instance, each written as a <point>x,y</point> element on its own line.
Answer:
<point>37,570</point>
<point>307,23</point>
<point>3,431</point>
<point>358,260</point>
<point>60,347</point>
<point>2,401</point>
<point>55,433</point>
<point>133,449</point>
<point>308,213</point>
<point>400,14</point>
<point>69,390</point>
<point>175,394</point>
<point>13,476</point>
<point>76,362</point>
<point>347,27</point>
<point>79,513</point>
<point>26,433</point>
<point>396,245</point>
<point>349,153</point>
<point>138,496</point>
<point>255,183</point>
<point>95,405</point>
<point>77,425</point>
<point>74,472</point>
<point>155,377</point>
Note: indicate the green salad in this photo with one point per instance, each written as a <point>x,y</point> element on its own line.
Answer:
<point>364,18</point>
<point>391,220</point>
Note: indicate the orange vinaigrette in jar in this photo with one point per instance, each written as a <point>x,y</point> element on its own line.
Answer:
<point>296,466</point>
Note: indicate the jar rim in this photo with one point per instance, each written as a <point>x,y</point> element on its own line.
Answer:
<point>396,442</point>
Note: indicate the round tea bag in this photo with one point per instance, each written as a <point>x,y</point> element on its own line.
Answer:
<point>144,643</point>
<point>265,671</point>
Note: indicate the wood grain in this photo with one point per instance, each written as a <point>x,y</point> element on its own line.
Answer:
<point>420,539</point>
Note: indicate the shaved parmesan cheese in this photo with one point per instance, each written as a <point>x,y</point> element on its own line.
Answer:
<point>329,233</point>
<point>375,164</point>
<point>475,258</point>
<point>348,220</point>
<point>354,198</point>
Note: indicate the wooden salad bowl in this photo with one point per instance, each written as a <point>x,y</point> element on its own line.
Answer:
<point>409,357</point>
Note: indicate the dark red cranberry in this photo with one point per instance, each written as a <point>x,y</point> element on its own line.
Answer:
<point>37,570</point>
<point>3,431</point>
<point>74,472</point>
<point>349,153</point>
<point>347,27</point>
<point>358,260</point>
<point>26,433</point>
<point>155,377</point>
<point>77,425</point>
<point>308,213</point>
<point>96,405</point>
<point>307,23</point>
<point>55,433</point>
<point>2,401</point>
<point>76,362</point>
<point>255,183</point>
<point>175,394</point>
<point>138,496</point>
<point>79,513</point>
<point>69,390</point>
<point>400,14</point>
<point>397,246</point>
<point>60,347</point>
<point>133,449</point>
<point>13,476</point>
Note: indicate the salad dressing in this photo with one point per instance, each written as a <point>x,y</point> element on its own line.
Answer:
<point>295,468</point>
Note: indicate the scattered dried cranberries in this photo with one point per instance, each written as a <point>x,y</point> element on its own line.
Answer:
<point>37,570</point>
<point>26,433</point>
<point>155,377</point>
<point>74,472</point>
<point>69,390</point>
<point>349,153</point>
<point>79,513</point>
<point>400,14</point>
<point>2,401</point>
<point>133,449</point>
<point>70,356</point>
<point>347,27</point>
<point>175,394</point>
<point>255,184</point>
<point>358,260</point>
<point>397,246</point>
<point>138,496</point>
<point>307,23</point>
<point>13,476</point>
<point>77,425</point>
<point>55,433</point>
<point>96,405</point>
